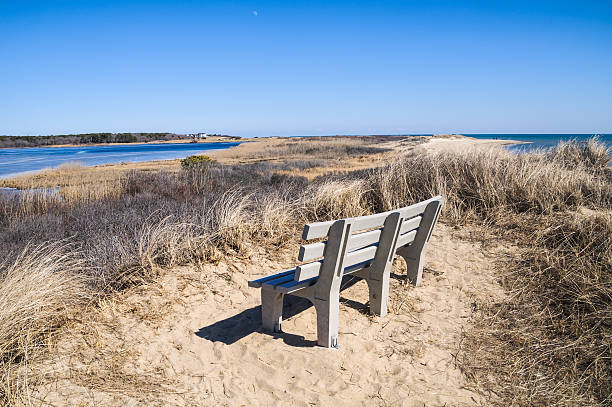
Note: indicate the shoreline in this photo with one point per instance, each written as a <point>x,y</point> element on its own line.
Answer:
<point>250,150</point>
<point>122,162</point>
<point>179,141</point>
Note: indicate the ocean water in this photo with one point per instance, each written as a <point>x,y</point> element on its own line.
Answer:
<point>15,161</point>
<point>537,141</point>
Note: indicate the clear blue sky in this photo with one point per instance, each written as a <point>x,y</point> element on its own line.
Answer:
<point>317,67</point>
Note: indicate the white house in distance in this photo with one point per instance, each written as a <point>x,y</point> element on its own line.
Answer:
<point>198,135</point>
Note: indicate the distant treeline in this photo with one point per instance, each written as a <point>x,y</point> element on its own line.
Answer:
<point>88,138</point>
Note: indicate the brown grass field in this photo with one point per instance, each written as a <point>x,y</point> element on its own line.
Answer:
<point>111,231</point>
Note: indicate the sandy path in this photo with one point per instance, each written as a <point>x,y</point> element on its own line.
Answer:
<point>194,338</point>
<point>461,143</point>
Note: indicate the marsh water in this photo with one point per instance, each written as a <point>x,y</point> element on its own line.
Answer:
<point>15,161</point>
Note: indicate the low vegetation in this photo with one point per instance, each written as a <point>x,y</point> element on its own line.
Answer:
<point>197,161</point>
<point>38,291</point>
<point>547,344</point>
<point>88,138</point>
<point>331,149</point>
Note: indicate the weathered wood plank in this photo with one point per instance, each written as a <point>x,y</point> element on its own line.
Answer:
<point>257,283</point>
<point>316,230</point>
<point>320,229</point>
<point>310,270</point>
<point>306,271</point>
<point>272,283</point>
<point>311,251</point>
<point>410,224</point>
<point>405,239</point>
<point>292,286</point>
<point>360,256</point>
<point>316,250</point>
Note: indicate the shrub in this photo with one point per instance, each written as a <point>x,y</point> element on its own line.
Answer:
<point>197,161</point>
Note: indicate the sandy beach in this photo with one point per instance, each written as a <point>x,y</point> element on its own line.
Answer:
<point>195,337</point>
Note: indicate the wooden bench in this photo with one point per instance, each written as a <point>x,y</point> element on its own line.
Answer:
<point>363,247</point>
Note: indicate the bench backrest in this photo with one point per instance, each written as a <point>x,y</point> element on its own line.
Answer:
<point>362,237</point>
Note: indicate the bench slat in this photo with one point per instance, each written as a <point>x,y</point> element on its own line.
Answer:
<point>306,271</point>
<point>405,239</point>
<point>257,283</point>
<point>311,251</point>
<point>291,286</point>
<point>316,250</point>
<point>316,230</point>
<point>277,281</point>
<point>410,224</point>
<point>310,270</point>
<point>320,229</point>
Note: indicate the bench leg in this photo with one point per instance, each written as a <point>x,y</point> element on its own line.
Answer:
<point>415,253</point>
<point>379,294</point>
<point>271,310</point>
<point>327,321</point>
<point>414,268</point>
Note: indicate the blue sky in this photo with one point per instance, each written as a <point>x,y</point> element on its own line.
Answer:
<point>318,67</point>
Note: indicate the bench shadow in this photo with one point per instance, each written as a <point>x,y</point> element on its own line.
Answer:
<point>236,327</point>
<point>399,277</point>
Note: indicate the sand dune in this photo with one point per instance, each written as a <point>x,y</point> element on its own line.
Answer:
<point>194,338</point>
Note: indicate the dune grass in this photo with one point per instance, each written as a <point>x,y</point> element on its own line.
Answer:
<point>38,291</point>
<point>554,328</point>
<point>550,342</point>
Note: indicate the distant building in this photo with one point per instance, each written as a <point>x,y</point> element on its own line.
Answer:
<point>198,135</point>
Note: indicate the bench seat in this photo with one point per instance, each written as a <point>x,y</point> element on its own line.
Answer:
<point>284,282</point>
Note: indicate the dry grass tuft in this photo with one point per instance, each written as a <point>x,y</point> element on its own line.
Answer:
<point>37,293</point>
<point>550,342</point>
<point>591,155</point>
<point>333,199</point>
<point>162,243</point>
<point>487,183</point>
<point>278,219</point>
<point>231,221</point>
